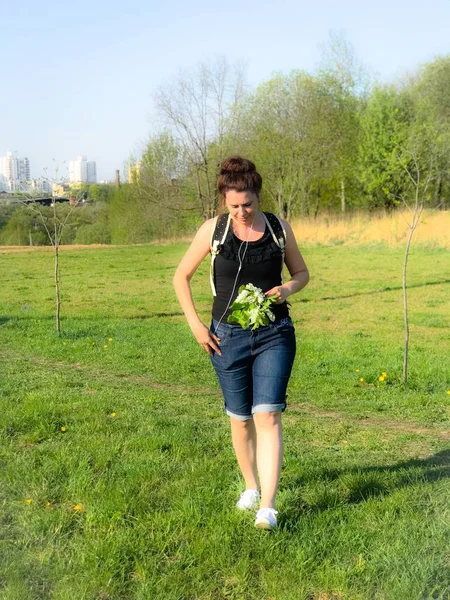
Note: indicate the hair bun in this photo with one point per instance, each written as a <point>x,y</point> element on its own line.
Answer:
<point>238,174</point>
<point>237,164</point>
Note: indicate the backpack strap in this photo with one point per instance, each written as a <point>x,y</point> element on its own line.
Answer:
<point>276,229</point>
<point>221,225</point>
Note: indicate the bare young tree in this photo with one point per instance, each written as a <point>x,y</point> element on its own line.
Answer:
<point>54,227</point>
<point>420,180</point>
<point>198,106</point>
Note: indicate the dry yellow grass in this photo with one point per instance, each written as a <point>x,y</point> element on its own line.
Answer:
<point>350,230</point>
<point>361,228</point>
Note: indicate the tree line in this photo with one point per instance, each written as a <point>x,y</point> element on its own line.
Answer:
<point>328,141</point>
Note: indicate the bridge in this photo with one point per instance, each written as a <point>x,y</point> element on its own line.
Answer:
<point>44,201</point>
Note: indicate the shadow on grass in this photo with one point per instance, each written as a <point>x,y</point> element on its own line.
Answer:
<point>155,315</point>
<point>372,292</point>
<point>359,484</point>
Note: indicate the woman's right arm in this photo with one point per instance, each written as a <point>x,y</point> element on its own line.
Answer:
<point>195,254</point>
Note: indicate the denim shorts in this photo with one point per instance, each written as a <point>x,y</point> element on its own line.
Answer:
<point>254,367</point>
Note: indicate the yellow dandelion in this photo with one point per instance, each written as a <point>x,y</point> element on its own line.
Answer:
<point>357,370</point>
<point>28,500</point>
<point>384,374</point>
<point>113,414</point>
<point>361,379</point>
<point>78,507</point>
<point>63,428</point>
<point>381,378</point>
<point>448,392</point>
<point>105,345</point>
<point>109,339</point>
<point>47,503</point>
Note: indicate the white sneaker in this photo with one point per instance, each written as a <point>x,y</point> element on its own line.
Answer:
<point>248,500</point>
<point>266,518</point>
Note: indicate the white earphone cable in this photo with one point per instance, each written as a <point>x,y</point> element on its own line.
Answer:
<point>241,260</point>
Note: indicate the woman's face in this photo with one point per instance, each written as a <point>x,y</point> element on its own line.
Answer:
<point>242,206</point>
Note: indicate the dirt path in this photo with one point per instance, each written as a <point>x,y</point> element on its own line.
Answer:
<point>12,249</point>
<point>368,422</point>
<point>393,425</point>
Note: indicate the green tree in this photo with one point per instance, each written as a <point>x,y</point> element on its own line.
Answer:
<point>90,224</point>
<point>347,85</point>
<point>430,93</point>
<point>273,142</point>
<point>386,123</point>
<point>155,204</point>
<point>101,192</point>
<point>302,131</point>
<point>23,229</point>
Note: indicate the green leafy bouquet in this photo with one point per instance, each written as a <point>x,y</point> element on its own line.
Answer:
<point>251,307</point>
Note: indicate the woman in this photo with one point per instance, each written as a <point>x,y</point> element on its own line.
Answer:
<point>253,366</point>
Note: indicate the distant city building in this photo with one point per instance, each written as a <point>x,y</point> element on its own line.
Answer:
<point>78,169</point>
<point>91,171</point>
<point>82,170</point>
<point>23,168</point>
<point>40,185</point>
<point>61,189</point>
<point>14,172</point>
<point>134,172</point>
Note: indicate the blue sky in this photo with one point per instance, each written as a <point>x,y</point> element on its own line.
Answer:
<point>79,77</point>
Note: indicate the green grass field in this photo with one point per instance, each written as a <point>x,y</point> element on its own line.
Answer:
<point>118,480</point>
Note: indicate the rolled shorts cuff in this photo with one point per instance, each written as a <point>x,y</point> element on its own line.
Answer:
<point>257,408</point>
<point>269,407</point>
<point>238,417</point>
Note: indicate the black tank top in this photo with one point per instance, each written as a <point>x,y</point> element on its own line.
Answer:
<point>262,266</point>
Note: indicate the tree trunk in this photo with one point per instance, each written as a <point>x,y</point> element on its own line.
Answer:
<point>405,310</point>
<point>343,195</point>
<point>437,199</point>
<point>316,208</point>
<point>200,195</point>
<point>280,204</point>
<point>305,203</point>
<point>212,208</point>
<point>58,294</point>
<point>414,224</point>
<point>57,290</point>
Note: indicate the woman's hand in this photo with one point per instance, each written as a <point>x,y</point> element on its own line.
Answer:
<point>207,340</point>
<point>280,292</point>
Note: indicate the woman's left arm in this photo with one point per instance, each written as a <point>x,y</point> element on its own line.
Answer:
<point>296,267</point>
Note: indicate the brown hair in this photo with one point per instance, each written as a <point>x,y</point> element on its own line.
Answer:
<point>239,174</point>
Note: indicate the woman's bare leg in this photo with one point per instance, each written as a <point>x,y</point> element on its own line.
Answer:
<point>269,454</point>
<point>243,434</point>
